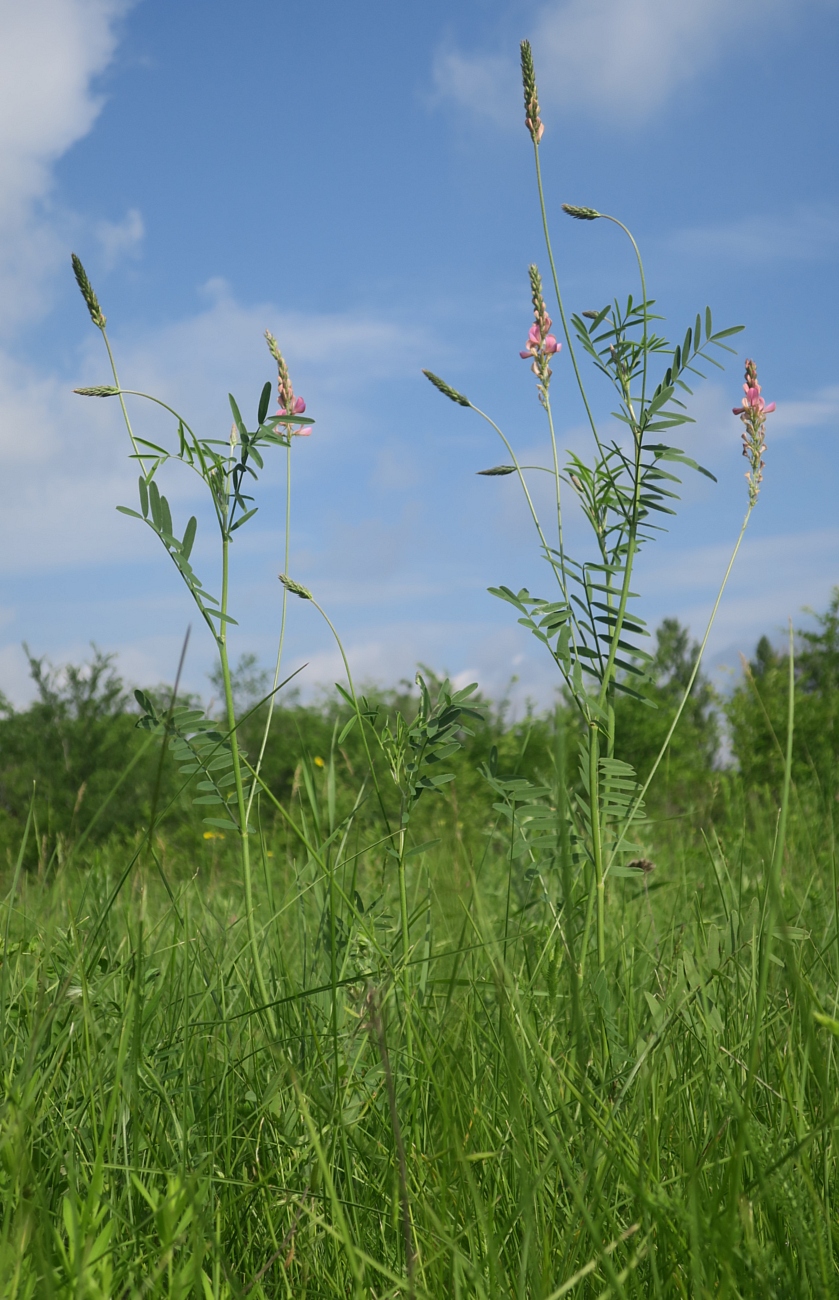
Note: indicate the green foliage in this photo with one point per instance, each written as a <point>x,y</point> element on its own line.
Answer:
<point>756,709</point>
<point>641,730</point>
<point>70,743</point>
<point>559,1130</point>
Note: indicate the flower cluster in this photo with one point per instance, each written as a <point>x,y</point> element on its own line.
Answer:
<point>288,403</point>
<point>541,344</point>
<point>753,413</point>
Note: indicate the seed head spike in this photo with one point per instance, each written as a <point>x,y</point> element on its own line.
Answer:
<point>446,389</point>
<point>86,289</point>
<point>532,120</point>
<point>581,214</point>
<point>296,588</point>
<point>101,390</point>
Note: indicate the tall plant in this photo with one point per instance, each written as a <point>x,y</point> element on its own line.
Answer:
<point>227,468</point>
<point>589,623</point>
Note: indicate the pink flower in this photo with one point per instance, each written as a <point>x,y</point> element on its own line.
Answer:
<point>298,406</point>
<point>541,344</point>
<point>753,402</point>
<point>753,413</point>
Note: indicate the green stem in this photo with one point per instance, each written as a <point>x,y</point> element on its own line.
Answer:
<point>357,707</point>
<point>268,720</point>
<point>639,798</point>
<point>241,803</point>
<point>597,841</point>
<point>557,480</point>
<point>559,571</point>
<point>773,898</point>
<point>122,399</point>
<point>403,902</point>
<point>555,277</point>
<point>605,216</point>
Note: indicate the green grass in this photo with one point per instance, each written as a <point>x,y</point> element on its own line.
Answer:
<point>564,1132</point>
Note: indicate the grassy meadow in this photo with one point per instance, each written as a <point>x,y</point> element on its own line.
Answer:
<point>398,995</point>
<point>492,1113</point>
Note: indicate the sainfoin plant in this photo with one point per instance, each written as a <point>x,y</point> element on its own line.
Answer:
<point>589,622</point>
<point>227,468</point>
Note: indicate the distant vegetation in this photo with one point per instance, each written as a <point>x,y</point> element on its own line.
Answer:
<point>81,731</point>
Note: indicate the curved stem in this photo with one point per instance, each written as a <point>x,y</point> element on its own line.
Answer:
<point>121,399</point>
<point>605,216</point>
<point>281,642</point>
<point>639,798</point>
<point>597,841</point>
<point>555,278</point>
<point>557,480</point>
<point>358,714</point>
<point>242,806</point>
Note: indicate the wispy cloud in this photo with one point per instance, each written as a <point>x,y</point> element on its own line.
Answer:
<point>801,235</point>
<point>69,452</point>
<point>119,239</point>
<point>618,60</point>
<point>50,54</point>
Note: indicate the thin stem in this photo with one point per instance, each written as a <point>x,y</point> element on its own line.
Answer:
<point>555,451</point>
<point>242,805</point>
<point>555,277</point>
<point>559,572</point>
<point>639,798</point>
<point>773,897</point>
<point>122,399</point>
<point>631,239</point>
<point>403,905</point>
<point>597,841</point>
<point>357,707</point>
<point>265,734</point>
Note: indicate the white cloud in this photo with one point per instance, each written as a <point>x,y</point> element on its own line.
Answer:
<point>774,578</point>
<point>802,235</point>
<point>50,53</point>
<point>614,59</point>
<point>120,239</point>
<point>70,454</point>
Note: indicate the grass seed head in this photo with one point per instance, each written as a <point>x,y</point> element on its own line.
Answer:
<point>296,588</point>
<point>581,214</point>
<point>532,120</point>
<point>446,389</point>
<point>86,289</point>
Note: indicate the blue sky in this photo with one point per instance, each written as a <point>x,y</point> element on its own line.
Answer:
<point>358,180</point>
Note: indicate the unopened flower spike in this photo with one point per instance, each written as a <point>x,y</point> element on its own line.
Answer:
<point>541,344</point>
<point>581,214</point>
<point>86,289</point>
<point>753,413</point>
<point>288,403</point>
<point>296,588</point>
<point>532,120</point>
<point>446,389</point>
